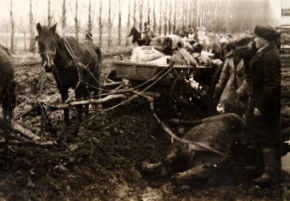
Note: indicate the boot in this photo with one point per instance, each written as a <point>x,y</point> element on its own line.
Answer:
<point>271,171</point>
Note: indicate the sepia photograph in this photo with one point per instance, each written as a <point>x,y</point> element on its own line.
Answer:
<point>145,100</point>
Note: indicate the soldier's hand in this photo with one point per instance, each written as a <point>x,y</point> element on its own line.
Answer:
<point>257,112</point>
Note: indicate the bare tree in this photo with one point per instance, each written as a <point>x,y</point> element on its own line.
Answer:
<point>119,24</point>
<point>165,17</point>
<point>22,29</point>
<point>12,45</point>
<point>148,11</point>
<point>160,18</point>
<point>100,22</point>
<point>90,20</point>
<point>110,24</point>
<point>134,14</point>
<point>48,13</point>
<point>154,19</point>
<point>63,18</point>
<point>170,17</point>
<point>31,29</point>
<point>175,17</point>
<point>77,23</point>
<point>140,14</point>
<point>128,21</point>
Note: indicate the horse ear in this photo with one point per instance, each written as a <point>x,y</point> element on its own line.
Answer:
<point>53,28</point>
<point>38,27</point>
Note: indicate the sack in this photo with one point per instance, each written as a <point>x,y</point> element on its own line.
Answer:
<point>182,57</point>
<point>145,53</point>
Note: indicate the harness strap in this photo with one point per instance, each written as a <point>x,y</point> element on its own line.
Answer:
<point>75,58</point>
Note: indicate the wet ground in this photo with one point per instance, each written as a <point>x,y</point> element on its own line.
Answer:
<point>102,160</point>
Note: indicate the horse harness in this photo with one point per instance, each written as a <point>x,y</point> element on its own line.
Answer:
<point>79,66</point>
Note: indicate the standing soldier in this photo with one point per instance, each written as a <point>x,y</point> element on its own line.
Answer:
<point>263,115</point>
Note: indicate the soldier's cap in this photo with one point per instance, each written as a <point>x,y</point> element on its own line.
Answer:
<point>243,40</point>
<point>267,32</point>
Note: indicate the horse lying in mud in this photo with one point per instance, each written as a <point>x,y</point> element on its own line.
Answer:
<point>187,162</point>
<point>73,65</point>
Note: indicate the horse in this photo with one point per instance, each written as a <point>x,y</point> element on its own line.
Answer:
<point>138,39</point>
<point>7,89</point>
<point>73,65</point>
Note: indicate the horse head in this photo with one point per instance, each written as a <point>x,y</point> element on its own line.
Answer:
<point>47,42</point>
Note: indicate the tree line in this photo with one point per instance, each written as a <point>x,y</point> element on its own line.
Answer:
<point>110,20</point>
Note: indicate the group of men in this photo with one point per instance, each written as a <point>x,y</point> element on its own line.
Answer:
<point>260,93</point>
<point>256,68</point>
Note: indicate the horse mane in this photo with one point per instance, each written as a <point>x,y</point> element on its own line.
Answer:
<point>6,50</point>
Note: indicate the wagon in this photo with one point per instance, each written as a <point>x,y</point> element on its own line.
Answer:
<point>174,82</point>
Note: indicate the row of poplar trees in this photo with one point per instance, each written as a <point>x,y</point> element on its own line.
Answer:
<point>114,18</point>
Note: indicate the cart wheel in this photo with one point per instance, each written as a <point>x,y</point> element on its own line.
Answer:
<point>176,96</point>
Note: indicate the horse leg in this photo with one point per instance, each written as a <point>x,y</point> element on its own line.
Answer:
<point>7,106</point>
<point>86,95</point>
<point>79,94</point>
<point>203,171</point>
<point>64,97</point>
<point>172,155</point>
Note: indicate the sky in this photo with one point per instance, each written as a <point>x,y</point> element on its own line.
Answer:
<point>21,8</point>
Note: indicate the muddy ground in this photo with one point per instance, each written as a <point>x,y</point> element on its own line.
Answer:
<point>101,161</point>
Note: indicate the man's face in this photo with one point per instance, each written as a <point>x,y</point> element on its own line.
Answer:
<point>260,42</point>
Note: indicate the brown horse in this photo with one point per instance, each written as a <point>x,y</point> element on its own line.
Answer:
<point>73,65</point>
<point>7,89</point>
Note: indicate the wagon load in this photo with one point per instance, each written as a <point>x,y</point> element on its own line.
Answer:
<point>145,53</point>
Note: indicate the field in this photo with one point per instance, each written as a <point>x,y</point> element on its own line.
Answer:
<point>102,160</point>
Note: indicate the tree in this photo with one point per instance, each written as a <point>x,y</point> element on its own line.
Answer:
<point>140,14</point>
<point>12,45</point>
<point>120,24</point>
<point>48,13</point>
<point>77,23</point>
<point>154,19</point>
<point>110,24</point>
<point>100,22</point>
<point>90,20</point>
<point>128,22</point>
<point>160,18</point>
<point>63,18</point>
<point>134,14</point>
<point>31,29</point>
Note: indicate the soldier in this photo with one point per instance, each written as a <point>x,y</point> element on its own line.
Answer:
<point>263,114</point>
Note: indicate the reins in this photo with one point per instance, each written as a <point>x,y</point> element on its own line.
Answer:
<point>75,58</point>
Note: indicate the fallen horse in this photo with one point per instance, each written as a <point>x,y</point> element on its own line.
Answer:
<point>212,146</point>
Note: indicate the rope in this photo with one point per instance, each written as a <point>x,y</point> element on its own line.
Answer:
<point>168,131</point>
<point>169,68</point>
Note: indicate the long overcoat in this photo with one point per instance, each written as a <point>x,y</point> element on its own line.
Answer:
<point>265,90</point>
<point>231,78</point>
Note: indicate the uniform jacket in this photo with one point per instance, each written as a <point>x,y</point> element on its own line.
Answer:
<point>231,78</point>
<point>265,69</point>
